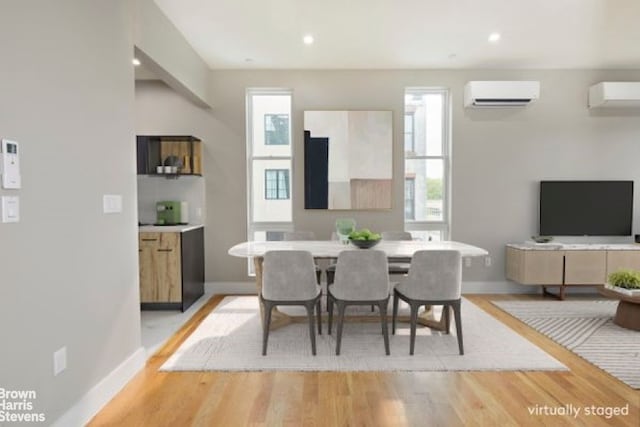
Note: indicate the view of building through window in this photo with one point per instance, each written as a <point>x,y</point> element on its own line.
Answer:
<point>269,157</point>
<point>426,163</point>
<point>276,129</point>
<point>276,184</point>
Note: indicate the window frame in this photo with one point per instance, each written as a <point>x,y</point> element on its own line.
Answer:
<point>259,226</point>
<point>444,225</point>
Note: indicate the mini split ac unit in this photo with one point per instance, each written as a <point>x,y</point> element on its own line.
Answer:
<point>500,94</point>
<point>614,94</point>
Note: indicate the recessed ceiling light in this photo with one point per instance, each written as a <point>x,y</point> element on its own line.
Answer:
<point>308,39</point>
<point>494,37</point>
<point>135,61</point>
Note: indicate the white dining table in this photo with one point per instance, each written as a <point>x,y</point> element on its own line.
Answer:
<point>397,250</point>
<point>331,248</point>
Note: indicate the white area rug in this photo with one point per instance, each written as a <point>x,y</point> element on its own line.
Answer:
<point>230,339</point>
<point>587,329</point>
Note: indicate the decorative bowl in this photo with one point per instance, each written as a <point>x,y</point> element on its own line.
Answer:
<point>542,239</point>
<point>364,244</point>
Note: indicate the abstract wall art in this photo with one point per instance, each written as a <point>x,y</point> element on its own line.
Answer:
<point>348,159</point>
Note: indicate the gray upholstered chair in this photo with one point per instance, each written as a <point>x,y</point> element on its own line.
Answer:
<point>331,268</point>
<point>361,279</point>
<point>434,279</point>
<point>288,278</point>
<point>397,268</point>
<point>303,235</point>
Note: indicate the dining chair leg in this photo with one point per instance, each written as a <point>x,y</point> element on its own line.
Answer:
<point>446,312</point>
<point>330,310</point>
<point>414,320</point>
<point>341,308</point>
<point>312,328</point>
<point>319,313</point>
<point>395,313</point>
<point>265,325</point>
<point>458,319</point>
<point>383,319</point>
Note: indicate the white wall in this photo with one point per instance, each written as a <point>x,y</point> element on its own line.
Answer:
<point>152,189</point>
<point>68,272</point>
<point>499,156</point>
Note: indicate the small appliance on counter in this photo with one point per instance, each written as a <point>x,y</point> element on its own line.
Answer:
<point>168,213</point>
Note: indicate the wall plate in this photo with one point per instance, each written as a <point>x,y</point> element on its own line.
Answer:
<point>10,209</point>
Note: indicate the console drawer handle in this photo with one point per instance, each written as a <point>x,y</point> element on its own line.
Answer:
<point>165,250</point>
<point>149,240</point>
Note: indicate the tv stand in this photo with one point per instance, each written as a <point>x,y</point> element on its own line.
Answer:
<point>565,266</point>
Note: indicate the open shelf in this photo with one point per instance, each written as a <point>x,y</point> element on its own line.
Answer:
<point>160,150</point>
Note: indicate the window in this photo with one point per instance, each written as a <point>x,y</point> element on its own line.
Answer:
<point>276,184</point>
<point>276,129</point>
<point>409,198</point>
<point>269,155</point>
<point>409,142</point>
<point>427,163</point>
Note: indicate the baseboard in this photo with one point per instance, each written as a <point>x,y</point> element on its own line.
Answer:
<point>89,404</point>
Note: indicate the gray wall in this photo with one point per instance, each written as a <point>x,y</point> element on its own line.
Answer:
<point>69,272</point>
<point>498,155</point>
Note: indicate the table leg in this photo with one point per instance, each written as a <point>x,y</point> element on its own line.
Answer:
<point>278,318</point>
<point>427,318</point>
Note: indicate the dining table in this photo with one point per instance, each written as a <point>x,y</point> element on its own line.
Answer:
<point>396,251</point>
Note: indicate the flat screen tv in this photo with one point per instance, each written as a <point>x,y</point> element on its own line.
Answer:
<point>586,208</point>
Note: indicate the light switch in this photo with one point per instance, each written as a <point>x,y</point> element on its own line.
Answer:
<point>112,203</point>
<point>10,209</point>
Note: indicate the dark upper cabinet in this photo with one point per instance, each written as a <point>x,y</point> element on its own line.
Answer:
<point>179,151</point>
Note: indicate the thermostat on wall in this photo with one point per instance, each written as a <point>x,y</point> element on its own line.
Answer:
<point>10,164</point>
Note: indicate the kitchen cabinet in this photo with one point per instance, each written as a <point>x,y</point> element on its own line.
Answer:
<point>171,267</point>
<point>160,150</point>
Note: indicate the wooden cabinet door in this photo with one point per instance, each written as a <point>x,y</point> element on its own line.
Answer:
<point>167,259</point>
<point>585,267</point>
<point>617,260</point>
<point>533,267</point>
<point>160,269</point>
<point>147,245</point>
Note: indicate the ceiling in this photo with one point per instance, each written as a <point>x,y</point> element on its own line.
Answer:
<point>409,34</point>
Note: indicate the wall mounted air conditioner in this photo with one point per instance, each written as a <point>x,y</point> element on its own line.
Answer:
<point>500,94</point>
<point>614,94</point>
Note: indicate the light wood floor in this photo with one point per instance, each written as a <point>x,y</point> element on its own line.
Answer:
<point>155,398</point>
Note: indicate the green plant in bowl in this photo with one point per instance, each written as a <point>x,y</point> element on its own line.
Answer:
<point>627,279</point>
<point>364,238</point>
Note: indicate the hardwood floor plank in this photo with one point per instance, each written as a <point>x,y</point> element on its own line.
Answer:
<point>504,398</point>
